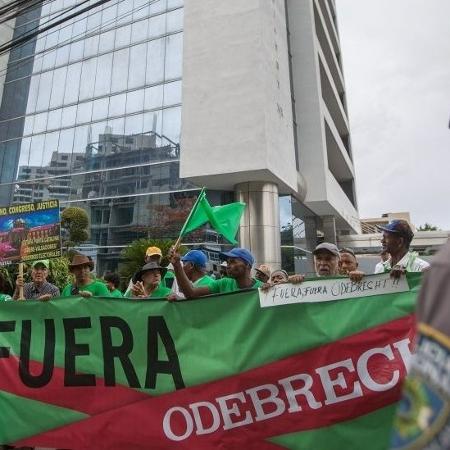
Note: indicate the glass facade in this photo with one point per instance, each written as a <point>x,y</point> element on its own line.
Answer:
<point>91,115</point>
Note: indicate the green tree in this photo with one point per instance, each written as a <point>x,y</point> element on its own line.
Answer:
<point>133,255</point>
<point>59,273</point>
<point>8,276</point>
<point>427,227</point>
<point>74,223</point>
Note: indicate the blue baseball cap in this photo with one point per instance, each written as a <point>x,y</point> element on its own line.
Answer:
<point>196,257</point>
<point>241,253</point>
<point>399,227</point>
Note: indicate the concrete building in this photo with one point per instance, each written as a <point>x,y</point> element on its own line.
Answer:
<point>274,105</point>
<point>370,225</point>
<point>159,98</point>
<point>36,183</point>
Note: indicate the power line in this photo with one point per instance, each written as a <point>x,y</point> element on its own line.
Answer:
<point>96,30</point>
<point>16,42</point>
<point>19,11</point>
<point>11,6</point>
<point>49,21</point>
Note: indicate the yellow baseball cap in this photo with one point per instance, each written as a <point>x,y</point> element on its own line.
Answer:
<point>151,251</point>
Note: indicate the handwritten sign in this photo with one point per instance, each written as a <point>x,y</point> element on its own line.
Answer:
<point>331,289</point>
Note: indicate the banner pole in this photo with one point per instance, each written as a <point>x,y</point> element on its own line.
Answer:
<point>21,297</point>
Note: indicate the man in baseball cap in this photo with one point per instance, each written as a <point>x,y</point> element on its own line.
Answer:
<point>194,266</point>
<point>396,240</point>
<point>239,265</point>
<point>326,259</point>
<point>153,254</point>
<point>39,288</point>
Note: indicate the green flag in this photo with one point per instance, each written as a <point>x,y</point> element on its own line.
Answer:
<point>224,219</point>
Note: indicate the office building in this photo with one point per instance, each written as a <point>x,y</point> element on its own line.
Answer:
<point>128,108</point>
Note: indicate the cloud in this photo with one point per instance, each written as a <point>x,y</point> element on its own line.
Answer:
<point>397,69</point>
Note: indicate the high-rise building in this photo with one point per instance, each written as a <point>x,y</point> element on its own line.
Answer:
<point>126,109</point>
<point>6,34</point>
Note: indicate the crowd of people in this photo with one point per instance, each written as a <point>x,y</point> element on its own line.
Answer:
<point>187,277</point>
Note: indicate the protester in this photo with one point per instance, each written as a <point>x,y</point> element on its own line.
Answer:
<point>347,262</point>
<point>39,288</point>
<point>194,266</point>
<point>326,263</point>
<point>151,254</point>
<point>3,289</point>
<point>148,282</point>
<point>262,273</point>
<point>396,240</point>
<point>81,267</point>
<point>279,276</point>
<point>113,283</point>
<point>239,265</point>
<point>326,260</point>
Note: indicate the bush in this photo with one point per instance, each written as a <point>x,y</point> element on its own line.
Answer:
<point>74,224</point>
<point>134,254</point>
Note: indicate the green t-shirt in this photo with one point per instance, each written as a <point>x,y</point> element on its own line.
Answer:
<point>160,292</point>
<point>5,298</point>
<point>205,280</point>
<point>96,288</point>
<point>116,293</point>
<point>168,279</point>
<point>229,285</point>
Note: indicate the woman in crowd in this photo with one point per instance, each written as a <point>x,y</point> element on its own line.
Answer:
<point>148,282</point>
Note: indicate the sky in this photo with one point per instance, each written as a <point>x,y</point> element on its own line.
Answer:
<point>396,59</point>
<point>32,219</point>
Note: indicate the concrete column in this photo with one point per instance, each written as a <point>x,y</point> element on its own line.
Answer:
<point>329,229</point>
<point>310,241</point>
<point>260,224</point>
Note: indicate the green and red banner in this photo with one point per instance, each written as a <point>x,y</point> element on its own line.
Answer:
<point>224,371</point>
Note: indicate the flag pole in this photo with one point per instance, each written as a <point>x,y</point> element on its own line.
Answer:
<point>21,297</point>
<point>178,241</point>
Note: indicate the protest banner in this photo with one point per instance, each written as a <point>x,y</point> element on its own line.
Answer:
<point>29,232</point>
<point>216,372</point>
